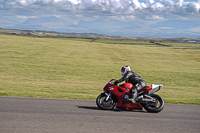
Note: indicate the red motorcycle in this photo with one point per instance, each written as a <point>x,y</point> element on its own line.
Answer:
<point>114,95</point>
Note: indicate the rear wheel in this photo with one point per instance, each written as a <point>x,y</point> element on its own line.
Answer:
<point>102,103</point>
<point>155,107</point>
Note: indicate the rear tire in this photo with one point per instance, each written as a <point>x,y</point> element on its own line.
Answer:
<point>154,108</point>
<point>105,105</point>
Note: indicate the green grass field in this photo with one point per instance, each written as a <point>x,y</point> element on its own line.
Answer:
<point>79,69</point>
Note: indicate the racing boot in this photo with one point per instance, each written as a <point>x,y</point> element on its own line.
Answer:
<point>133,99</point>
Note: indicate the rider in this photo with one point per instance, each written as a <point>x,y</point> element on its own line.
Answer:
<point>130,77</point>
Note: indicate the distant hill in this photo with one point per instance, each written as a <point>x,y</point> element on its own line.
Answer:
<point>107,24</point>
<point>177,24</point>
<point>51,23</point>
<point>51,19</point>
<point>165,29</point>
<point>7,22</point>
<point>94,36</point>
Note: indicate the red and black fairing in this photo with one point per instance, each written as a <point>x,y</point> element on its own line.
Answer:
<point>119,92</point>
<point>114,96</point>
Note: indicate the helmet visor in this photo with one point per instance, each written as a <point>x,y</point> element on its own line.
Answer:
<point>123,70</point>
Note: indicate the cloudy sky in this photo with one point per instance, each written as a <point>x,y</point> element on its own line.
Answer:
<point>125,10</point>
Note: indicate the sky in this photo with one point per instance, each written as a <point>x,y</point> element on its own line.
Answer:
<point>148,11</point>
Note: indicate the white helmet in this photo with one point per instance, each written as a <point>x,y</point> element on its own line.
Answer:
<point>125,69</point>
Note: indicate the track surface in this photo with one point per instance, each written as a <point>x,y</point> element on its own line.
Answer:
<point>35,115</point>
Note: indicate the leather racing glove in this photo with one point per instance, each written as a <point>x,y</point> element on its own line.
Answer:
<point>116,82</point>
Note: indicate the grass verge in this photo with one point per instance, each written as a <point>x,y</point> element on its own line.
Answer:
<point>77,69</point>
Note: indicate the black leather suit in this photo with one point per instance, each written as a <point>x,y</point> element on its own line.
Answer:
<point>135,79</point>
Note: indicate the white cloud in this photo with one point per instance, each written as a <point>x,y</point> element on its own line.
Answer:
<point>192,7</point>
<point>85,9</point>
<point>155,17</point>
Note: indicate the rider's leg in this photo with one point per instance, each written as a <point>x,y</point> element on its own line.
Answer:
<point>135,90</point>
<point>134,94</point>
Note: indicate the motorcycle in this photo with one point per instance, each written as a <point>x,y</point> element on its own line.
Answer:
<point>115,95</point>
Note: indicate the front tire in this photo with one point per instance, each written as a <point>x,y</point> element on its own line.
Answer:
<point>105,105</point>
<point>155,107</point>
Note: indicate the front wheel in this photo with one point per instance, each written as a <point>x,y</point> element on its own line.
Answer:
<point>102,103</point>
<point>155,107</point>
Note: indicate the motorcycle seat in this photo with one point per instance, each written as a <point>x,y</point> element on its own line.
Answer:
<point>145,87</point>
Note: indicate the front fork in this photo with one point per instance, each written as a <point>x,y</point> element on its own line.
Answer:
<point>108,96</point>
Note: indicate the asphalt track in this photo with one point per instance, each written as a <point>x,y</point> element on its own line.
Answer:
<point>37,115</point>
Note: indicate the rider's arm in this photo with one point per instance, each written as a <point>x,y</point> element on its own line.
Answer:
<point>125,77</point>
